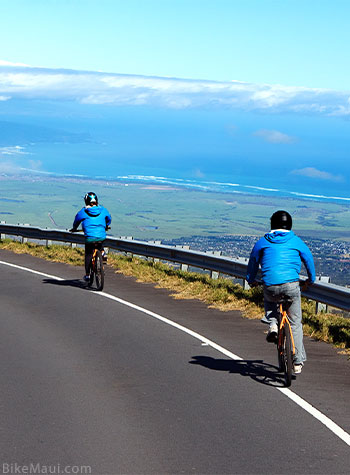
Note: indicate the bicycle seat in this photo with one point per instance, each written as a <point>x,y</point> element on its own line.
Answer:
<point>286,301</point>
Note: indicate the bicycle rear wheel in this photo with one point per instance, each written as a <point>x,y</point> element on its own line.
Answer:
<point>280,352</point>
<point>285,355</point>
<point>91,275</point>
<point>99,272</point>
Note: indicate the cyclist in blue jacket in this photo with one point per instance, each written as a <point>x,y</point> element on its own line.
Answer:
<point>280,254</point>
<point>94,219</point>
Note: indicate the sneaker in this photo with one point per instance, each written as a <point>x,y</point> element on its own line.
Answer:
<point>298,368</point>
<point>86,278</point>
<point>272,333</point>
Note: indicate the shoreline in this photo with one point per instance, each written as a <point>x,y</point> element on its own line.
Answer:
<point>175,184</point>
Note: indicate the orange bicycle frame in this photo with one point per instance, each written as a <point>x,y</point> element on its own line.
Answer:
<point>93,257</point>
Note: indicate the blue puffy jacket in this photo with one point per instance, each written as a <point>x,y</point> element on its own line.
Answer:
<point>280,254</point>
<point>94,220</point>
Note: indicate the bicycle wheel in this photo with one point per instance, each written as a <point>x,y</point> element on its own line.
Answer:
<point>99,272</point>
<point>281,364</point>
<point>287,359</point>
<point>91,275</point>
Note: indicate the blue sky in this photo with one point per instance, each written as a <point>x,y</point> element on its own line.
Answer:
<point>288,42</point>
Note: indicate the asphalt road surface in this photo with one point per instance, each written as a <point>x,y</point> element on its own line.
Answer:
<point>90,384</point>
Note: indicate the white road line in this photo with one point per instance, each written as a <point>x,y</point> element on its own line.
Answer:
<point>30,270</point>
<point>332,426</point>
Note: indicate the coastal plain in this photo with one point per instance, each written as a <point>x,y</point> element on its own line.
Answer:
<point>152,211</point>
<point>178,215</point>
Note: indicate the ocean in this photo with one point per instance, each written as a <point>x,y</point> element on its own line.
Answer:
<point>97,161</point>
<point>214,150</point>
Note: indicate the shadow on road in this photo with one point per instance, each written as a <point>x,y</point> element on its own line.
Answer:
<point>261,372</point>
<point>66,283</point>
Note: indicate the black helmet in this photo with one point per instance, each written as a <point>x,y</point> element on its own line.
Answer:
<point>281,220</point>
<point>91,198</point>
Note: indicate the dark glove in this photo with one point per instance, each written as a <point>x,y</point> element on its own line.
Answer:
<point>305,285</point>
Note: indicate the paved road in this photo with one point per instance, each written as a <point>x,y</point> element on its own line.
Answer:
<point>88,381</point>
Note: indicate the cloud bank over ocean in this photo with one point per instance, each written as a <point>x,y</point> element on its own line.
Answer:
<point>269,137</point>
<point>311,172</point>
<point>26,82</point>
<point>274,136</point>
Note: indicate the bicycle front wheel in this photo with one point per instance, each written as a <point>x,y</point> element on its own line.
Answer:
<point>286,358</point>
<point>99,271</point>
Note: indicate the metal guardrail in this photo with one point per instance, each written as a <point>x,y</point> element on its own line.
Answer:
<point>329,294</point>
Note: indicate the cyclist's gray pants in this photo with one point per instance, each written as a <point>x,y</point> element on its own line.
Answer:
<point>272,295</point>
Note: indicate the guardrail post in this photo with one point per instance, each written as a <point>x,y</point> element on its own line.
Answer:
<point>183,267</point>
<point>2,236</point>
<point>322,307</point>
<point>73,245</point>
<point>154,259</point>
<point>130,238</point>
<point>214,274</point>
<point>24,239</point>
<point>245,284</point>
<point>130,254</point>
<point>48,242</point>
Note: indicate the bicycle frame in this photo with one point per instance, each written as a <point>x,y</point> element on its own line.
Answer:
<point>93,259</point>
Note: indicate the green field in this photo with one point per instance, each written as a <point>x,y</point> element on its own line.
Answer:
<point>155,212</point>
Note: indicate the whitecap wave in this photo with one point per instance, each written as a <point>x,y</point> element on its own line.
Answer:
<point>227,187</point>
<point>212,186</point>
<point>261,188</point>
<point>323,197</point>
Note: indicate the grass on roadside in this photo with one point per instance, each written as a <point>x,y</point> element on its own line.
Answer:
<point>55,253</point>
<point>222,294</point>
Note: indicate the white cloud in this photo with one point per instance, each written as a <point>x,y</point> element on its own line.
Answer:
<point>343,110</point>
<point>9,167</point>
<point>311,172</point>
<point>35,164</point>
<point>13,150</point>
<point>274,136</point>
<point>13,158</point>
<point>117,89</point>
<point>198,173</point>
<point>8,63</point>
<point>4,98</point>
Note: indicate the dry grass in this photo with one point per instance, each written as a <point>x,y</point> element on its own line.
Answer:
<point>220,293</point>
<point>55,253</point>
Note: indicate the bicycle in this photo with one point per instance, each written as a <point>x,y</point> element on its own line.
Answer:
<point>285,342</point>
<point>96,270</point>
